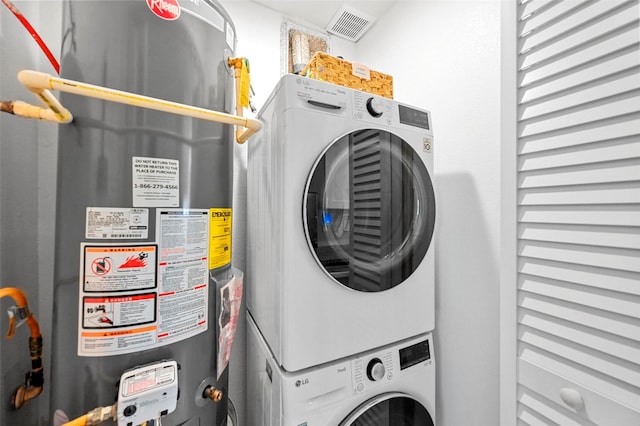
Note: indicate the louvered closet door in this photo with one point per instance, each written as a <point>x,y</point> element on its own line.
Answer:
<point>578,213</point>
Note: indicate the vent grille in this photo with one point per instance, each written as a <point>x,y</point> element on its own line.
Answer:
<point>350,23</point>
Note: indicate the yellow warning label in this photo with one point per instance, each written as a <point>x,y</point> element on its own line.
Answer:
<point>219,237</point>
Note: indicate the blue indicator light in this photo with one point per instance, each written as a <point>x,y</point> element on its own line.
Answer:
<point>327,218</point>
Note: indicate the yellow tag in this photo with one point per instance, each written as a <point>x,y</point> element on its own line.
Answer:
<point>245,85</point>
<point>219,237</point>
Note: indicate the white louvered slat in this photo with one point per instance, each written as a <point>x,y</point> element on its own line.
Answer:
<point>601,236</point>
<point>615,128</point>
<point>535,103</point>
<point>615,324</point>
<point>602,257</point>
<point>616,193</point>
<point>583,356</point>
<point>603,300</point>
<point>606,279</point>
<point>595,111</point>
<point>565,62</point>
<point>532,7</point>
<point>557,80</point>
<point>582,18</point>
<point>595,40</point>
<point>578,334</point>
<point>627,170</point>
<point>578,195</point>
<point>594,153</point>
<point>528,418</point>
<point>551,15</point>
<point>614,215</point>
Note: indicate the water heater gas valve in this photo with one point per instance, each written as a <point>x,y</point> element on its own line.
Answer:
<point>147,392</point>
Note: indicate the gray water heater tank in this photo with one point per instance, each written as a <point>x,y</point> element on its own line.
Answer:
<point>144,207</point>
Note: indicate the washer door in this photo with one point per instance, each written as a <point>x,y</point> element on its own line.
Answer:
<point>369,210</point>
<point>392,409</point>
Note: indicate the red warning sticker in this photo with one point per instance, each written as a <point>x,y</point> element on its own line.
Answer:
<point>166,9</point>
<point>118,267</point>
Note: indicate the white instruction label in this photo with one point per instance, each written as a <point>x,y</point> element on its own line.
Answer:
<point>116,223</point>
<point>182,237</point>
<point>156,182</point>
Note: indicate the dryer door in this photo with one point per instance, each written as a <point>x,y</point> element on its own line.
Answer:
<point>392,409</point>
<point>369,210</point>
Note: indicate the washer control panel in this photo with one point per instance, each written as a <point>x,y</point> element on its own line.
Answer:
<point>373,109</point>
<point>371,369</point>
<point>383,366</point>
<point>383,111</point>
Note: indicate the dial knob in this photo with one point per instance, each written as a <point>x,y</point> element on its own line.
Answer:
<point>375,107</point>
<point>375,370</point>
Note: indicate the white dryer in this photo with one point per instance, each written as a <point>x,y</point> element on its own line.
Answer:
<point>389,386</point>
<point>341,214</point>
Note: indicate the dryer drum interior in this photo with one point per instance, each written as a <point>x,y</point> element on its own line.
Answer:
<point>393,409</point>
<point>369,210</point>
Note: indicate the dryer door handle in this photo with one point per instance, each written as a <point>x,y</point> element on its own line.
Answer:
<point>323,105</point>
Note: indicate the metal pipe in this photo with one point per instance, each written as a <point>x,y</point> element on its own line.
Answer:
<point>34,381</point>
<point>95,416</point>
<point>213,394</point>
<point>41,83</point>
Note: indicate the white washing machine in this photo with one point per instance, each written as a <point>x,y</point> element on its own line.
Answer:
<point>389,386</point>
<point>341,214</point>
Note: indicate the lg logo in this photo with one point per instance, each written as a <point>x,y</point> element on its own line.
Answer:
<point>301,382</point>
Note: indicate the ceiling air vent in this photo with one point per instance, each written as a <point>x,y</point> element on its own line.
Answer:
<point>349,23</point>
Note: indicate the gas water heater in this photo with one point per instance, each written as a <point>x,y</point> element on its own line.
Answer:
<point>143,218</point>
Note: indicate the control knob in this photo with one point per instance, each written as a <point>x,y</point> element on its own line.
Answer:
<point>375,107</point>
<point>375,370</point>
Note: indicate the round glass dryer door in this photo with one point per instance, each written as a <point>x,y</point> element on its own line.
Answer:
<point>390,410</point>
<point>369,210</point>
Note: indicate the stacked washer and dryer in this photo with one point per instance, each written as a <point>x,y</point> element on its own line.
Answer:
<point>340,275</point>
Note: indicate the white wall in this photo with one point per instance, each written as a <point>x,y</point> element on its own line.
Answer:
<point>445,56</point>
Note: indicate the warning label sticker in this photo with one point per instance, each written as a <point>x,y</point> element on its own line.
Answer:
<point>219,237</point>
<point>119,268</point>
<point>113,312</point>
<point>113,342</point>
